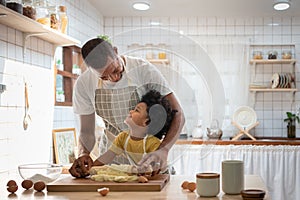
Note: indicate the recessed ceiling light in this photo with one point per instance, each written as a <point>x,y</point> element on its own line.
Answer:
<point>281,4</point>
<point>141,6</point>
<point>155,23</point>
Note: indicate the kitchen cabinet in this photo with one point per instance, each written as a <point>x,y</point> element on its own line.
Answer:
<point>72,59</point>
<point>285,66</point>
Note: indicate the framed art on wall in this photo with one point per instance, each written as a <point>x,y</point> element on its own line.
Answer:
<point>65,145</point>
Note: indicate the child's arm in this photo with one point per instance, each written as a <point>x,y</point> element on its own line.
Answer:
<point>105,158</point>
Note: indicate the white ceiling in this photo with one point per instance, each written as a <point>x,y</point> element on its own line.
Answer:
<point>160,8</point>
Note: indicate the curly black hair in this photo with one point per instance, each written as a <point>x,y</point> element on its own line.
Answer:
<point>154,99</point>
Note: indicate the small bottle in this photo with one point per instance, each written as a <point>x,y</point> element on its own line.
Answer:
<point>54,17</point>
<point>63,19</point>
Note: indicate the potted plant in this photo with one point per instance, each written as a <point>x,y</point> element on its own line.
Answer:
<point>291,127</point>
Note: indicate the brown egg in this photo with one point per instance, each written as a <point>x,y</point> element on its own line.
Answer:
<point>192,186</point>
<point>184,185</point>
<point>39,186</point>
<point>142,179</point>
<point>12,186</point>
<point>27,184</point>
<point>103,191</point>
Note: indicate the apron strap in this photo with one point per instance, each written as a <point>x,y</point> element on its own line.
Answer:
<point>126,152</point>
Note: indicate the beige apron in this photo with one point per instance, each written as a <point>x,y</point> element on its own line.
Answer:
<point>113,105</point>
<point>131,161</point>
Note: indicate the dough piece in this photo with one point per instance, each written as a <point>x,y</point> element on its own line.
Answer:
<point>116,173</point>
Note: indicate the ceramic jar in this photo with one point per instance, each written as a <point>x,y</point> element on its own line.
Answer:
<point>208,184</point>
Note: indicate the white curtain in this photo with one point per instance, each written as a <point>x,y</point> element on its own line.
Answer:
<point>279,166</point>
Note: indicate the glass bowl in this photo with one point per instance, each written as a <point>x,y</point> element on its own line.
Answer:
<point>45,172</point>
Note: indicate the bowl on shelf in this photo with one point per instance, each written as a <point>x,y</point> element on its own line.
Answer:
<point>45,172</point>
<point>258,55</point>
<point>286,55</point>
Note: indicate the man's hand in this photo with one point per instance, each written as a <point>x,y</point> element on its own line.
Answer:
<point>157,160</point>
<point>81,166</point>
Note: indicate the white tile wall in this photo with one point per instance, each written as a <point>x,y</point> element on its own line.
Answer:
<point>270,107</point>
<point>35,144</point>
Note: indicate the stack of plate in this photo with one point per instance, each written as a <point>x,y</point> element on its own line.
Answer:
<point>282,80</point>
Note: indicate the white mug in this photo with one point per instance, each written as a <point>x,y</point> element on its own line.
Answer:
<point>232,176</point>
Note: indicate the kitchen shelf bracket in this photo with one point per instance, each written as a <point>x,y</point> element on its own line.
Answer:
<point>26,36</point>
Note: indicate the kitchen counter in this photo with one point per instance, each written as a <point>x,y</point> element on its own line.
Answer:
<point>171,191</point>
<point>244,141</point>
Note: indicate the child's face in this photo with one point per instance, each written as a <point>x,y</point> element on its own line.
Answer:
<point>139,114</point>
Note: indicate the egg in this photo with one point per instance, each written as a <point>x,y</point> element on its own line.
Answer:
<point>27,184</point>
<point>103,191</point>
<point>39,186</point>
<point>184,185</point>
<point>142,179</point>
<point>12,186</point>
<point>192,186</point>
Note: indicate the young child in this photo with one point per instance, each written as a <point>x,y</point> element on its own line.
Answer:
<point>147,123</point>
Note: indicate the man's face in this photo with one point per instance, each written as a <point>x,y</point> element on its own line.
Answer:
<point>112,70</point>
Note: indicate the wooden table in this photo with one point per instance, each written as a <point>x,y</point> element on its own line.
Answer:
<point>171,191</point>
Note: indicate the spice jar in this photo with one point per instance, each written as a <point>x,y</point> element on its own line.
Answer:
<point>286,55</point>
<point>257,55</point>
<point>63,19</point>
<point>208,184</point>
<point>42,14</point>
<point>272,55</point>
<point>29,9</point>
<point>54,17</point>
<point>15,5</point>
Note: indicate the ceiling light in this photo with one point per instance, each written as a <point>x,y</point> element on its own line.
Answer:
<point>141,6</point>
<point>281,4</point>
<point>154,23</point>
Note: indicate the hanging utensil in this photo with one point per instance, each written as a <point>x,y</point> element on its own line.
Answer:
<point>27,117</point>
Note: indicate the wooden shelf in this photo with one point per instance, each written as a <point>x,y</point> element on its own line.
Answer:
<point>273,90</point>
<point>159,61</point>
<point>28,26</point>
<point>67,74</point>
<point>275,61</point>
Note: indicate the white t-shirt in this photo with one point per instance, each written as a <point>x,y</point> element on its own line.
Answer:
<point>138,72</point>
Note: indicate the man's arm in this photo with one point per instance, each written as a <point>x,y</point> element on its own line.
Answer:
<point>158,159</point>
<point>81,166</point>
<point>176,125</point>
<point>87,134</point>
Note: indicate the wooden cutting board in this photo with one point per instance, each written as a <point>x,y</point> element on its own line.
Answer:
<point>71,184</point>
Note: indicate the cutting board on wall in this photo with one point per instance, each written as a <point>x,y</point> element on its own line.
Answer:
<point>71,184</point>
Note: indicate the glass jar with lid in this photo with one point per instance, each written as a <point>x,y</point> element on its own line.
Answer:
<point>257,55</point>
<point>286,54</point>
<point>42,14</point>
<point>54,17</point>
<point>63,19</point>
<point>29,9</point>
<point>15,5</point>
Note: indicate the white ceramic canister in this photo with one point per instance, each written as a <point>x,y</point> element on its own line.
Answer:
<point>232,176</point>
<point>208,184</point>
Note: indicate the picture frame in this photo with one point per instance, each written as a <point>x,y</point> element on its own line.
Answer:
<point>64,144</point>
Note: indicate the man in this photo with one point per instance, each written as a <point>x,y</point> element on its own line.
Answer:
<point>110,87</point>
